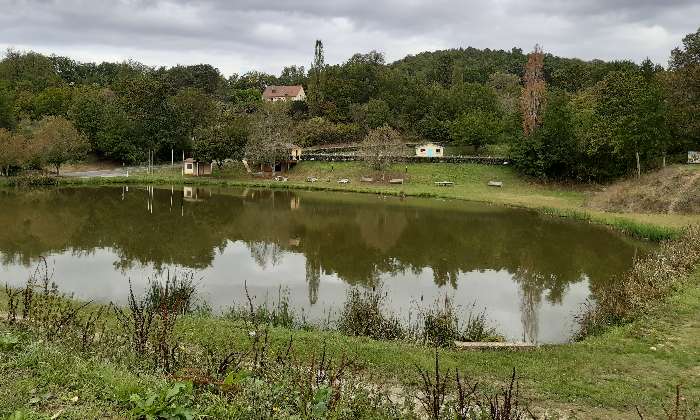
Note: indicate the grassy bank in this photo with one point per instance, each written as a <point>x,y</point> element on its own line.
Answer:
<point>605,376</point>
<point>470,184</point>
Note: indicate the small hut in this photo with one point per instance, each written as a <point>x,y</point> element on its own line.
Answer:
<point>194,167</point>
<point>293,153</point>
<point>430,150</point>
<point>694,157</point>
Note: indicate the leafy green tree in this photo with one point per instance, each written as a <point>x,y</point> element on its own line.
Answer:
<point>194,109</point>
<point>244,100</point>
<point>507,88</point>
<point>8,119</point>
<point>476,128</point>
<point>434,129</point>
<point>225,139</point>
<point>252,80</point>
<point>52,101</point>
<point>292,75</point>
<point>619,126</point>
<point>59,142</point>
<point>318,130</point>
<point>373,114</point>
<point>155,124</point>
<point>28,71</point>
<point>115,138</point>
<point>87,112</point>
<point>551,152</point>
<point>13,151</point>
<point>202,77</point>
<point>630,118</point>
<point>683,89</point>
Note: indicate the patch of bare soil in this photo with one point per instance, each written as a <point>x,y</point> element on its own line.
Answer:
<point>675,189</point>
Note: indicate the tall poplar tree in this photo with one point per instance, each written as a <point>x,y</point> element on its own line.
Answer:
<point>315,93</point>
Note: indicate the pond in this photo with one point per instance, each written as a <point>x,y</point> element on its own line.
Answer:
<point>530,273</point>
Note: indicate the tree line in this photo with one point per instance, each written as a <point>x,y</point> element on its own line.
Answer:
<point>558,118</point>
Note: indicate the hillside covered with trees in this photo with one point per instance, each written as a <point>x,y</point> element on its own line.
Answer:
<point>559,118</point>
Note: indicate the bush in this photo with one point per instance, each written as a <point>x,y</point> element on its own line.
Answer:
<point>25,181</point>
<point>363,315</point>
<point>319,131</point>
<point>441,325</point>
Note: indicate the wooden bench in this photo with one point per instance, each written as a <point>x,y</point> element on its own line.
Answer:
<point>366,179</point>
<point>496,184</point>
<point>444,183</point>
<point>496,345</point>
<point>396,181</point>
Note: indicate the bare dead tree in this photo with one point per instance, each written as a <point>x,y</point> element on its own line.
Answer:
<point>533,98</point>
<point>382,147</point>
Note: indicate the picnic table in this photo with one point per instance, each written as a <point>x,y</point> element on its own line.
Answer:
<point>311,179</point>
<point>343,181</point>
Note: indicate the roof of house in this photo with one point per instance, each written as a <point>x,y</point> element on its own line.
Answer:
<point>281,91</point>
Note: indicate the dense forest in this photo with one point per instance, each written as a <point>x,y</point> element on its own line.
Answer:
<point>557,118</point>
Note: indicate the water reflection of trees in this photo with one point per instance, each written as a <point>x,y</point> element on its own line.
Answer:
<point>355,238</point>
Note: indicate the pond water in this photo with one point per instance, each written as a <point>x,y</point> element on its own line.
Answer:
<point>530,273</point>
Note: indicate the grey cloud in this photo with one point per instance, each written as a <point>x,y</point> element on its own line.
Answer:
<point>246,34</point>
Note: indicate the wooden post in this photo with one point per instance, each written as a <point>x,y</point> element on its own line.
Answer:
<point>172,157</point>
<point>639,168</point>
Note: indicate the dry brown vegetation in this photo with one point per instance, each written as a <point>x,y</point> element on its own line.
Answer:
<point>675,189</point>
<point>650,280</point>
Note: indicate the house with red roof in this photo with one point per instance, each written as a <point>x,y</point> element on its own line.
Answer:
<point>284,93</point>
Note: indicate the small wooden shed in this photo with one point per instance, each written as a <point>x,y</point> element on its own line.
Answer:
<point>294,152</point>
<point>194,167</point>
<point>694,157</point>
<point>430,150</point>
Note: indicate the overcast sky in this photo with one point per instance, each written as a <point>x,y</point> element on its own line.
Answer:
<point>241,35</point>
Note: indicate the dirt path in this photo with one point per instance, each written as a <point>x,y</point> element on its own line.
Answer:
<point>683,193</point>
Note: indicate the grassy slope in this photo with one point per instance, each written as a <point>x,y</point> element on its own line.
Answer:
<point>470,184</point>
<point>675,189</point>
<point>604,376</point>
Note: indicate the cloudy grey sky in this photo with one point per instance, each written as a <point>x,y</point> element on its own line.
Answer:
<point>240,35</point>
